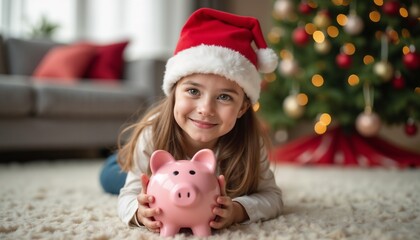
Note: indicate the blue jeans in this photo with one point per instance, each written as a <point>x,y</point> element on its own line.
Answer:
<point>112,178</point>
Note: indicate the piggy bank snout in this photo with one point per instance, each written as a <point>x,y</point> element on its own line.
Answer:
<point>183,194</point>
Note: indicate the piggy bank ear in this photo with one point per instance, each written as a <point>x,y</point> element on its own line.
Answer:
<point>207,158</point>
<point>160,158</point>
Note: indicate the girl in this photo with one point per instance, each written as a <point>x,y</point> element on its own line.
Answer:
<point>210,84</point>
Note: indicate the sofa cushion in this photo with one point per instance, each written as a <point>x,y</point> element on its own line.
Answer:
<point>3,63</point>
<point>66,62</point>
<point>23,55</point>
<point>16,96</point>
<point>86,99</point>
<point>109,62</point>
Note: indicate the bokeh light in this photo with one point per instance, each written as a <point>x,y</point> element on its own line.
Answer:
<point>353,80</point>
<point>341,19</point>
<point>317,80</point>
<point>285,54</point>
<point>325,119</point>
<point>406,50</point>
<point>320,128</point>
<point>310,28</point>
<point>256,106</point>
<point>405,33</point>
<point>403,12</point>
<point>375,16</point>
<point>318,36</point>
<point>378,2</point>
<point>349,48</point>
<point>270,77</point>
<point>368,59</point>
<point>332,31</point>
<point>302,99</point>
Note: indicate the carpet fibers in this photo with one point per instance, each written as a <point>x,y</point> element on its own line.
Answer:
<point>63,200</point>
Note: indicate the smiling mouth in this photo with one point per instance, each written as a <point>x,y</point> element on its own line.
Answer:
<point>203,124</point>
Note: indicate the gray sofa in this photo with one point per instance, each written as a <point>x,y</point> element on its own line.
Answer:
<point>89,114</point>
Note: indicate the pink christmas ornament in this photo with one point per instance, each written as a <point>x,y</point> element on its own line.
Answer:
<point>354,25</point>
<point>368,124</point>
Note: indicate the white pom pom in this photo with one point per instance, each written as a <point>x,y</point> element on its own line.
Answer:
<point>267,60</point>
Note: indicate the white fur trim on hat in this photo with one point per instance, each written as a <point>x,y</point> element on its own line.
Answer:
<point>267,60</point>
<point>216,60</point>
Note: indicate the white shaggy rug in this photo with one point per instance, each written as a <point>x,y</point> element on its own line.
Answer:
<point>63,200</point>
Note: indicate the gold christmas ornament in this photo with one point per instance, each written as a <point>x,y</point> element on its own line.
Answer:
<point>414,11</point>
<point>384,70</point>
<point>281,136</point>
<point>323,47</point>
<point>284,9</point>
<point>354,25</point>
<point>322,20</point>
<point>288,67</point>
<point>292,107</point>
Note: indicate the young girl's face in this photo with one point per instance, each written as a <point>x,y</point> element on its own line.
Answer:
<point>207,106</point>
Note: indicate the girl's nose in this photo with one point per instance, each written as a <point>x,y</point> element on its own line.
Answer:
<point>205,107</point>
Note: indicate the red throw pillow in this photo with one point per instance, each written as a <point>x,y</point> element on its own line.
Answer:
<point>66,62</point>
<point>109,62</point>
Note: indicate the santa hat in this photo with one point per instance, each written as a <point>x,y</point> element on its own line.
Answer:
<point>220,43</point>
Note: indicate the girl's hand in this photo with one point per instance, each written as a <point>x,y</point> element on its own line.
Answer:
<point>144,213</point>
<point>228,212</point>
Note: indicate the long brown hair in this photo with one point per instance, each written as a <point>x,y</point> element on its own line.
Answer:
<point>239,151</point>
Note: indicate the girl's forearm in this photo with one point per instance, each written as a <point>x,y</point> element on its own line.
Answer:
<point>239,212</point>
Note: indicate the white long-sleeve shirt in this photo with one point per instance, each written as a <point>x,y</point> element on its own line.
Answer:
<point>265,204</point>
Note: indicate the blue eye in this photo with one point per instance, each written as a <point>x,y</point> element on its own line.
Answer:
<point>193,91</point>
<point>225,97</point>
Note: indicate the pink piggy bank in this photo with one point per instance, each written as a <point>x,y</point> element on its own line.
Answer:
<point>185,191</point>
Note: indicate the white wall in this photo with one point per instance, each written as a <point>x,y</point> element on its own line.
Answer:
<point>61,12</point>
<point>152,26</point>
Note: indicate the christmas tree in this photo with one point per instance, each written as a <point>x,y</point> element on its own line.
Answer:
<point>352,64</point>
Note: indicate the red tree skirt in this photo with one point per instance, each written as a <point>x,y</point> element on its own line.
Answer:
<point>349,149</point>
